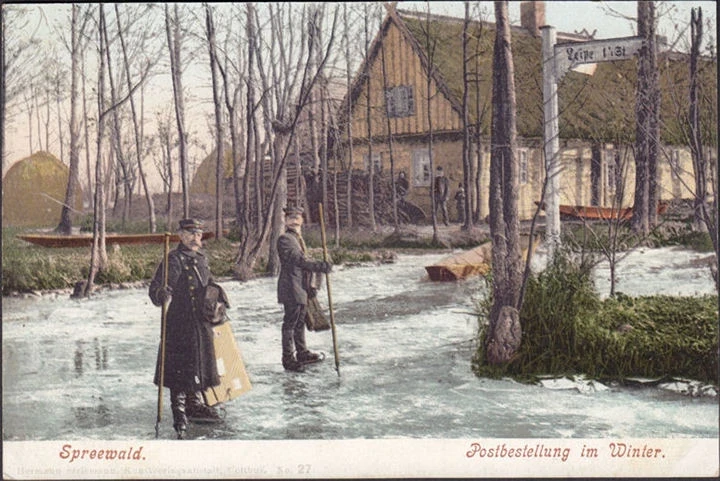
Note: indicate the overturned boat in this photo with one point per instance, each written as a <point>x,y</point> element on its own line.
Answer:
<point>471,263</point>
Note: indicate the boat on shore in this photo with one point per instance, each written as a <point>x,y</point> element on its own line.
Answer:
<point>85,240</point>
<point>471,263</point>
<point>593,212</point>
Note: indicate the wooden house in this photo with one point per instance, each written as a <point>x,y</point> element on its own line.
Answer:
<point>417,96</point>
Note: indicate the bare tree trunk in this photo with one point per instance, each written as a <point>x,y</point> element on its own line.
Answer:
<point>76,32</point>
<point>98,254</point>
<point>647,124</point>
<point>123,177</point>
<point>504,332</point>
<point>89,193</point>
<point>348,81</point>
<point>174,38</point>
<point>219,127</point>
<point>137,130</point>
<point>698,159</point>
<point>371,163</point>
<point>390,139</point>
<point>467,167</point>
<point>430,48</point>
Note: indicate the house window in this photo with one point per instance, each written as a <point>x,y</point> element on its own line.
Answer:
<point>612,170</point>
<point>674,163</point>
<point>377,162</point>
<point>400,101</point>
<point>523,156</point>
<point>421,168</point>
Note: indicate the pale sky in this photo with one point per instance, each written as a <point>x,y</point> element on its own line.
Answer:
<point>610,19</point>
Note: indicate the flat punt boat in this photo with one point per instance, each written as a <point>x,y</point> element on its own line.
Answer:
<point>471,263</point>
<point>85,240</point>
<point>593,212</point>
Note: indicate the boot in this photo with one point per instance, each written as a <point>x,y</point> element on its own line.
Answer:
<point>292,364</point>
<point>308,357</point>
<point>199,412</point>
<point>177,403</point>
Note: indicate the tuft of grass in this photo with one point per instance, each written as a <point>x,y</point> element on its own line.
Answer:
<point>567,329</point>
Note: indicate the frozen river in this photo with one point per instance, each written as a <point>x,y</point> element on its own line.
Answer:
<point>82,369</point>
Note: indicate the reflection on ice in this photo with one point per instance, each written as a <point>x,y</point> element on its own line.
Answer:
<point>82,369</point>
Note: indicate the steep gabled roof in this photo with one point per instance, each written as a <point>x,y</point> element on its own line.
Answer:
<point>599,107</point>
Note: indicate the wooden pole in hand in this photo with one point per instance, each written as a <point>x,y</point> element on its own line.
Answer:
<point>329,292</point>
<point>163,327</point>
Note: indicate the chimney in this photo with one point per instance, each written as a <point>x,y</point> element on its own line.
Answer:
<point>532,16</point>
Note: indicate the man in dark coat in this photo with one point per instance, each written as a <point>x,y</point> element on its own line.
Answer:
<point>441,190</point>
<point>190,366</point>
<point>294,283</point>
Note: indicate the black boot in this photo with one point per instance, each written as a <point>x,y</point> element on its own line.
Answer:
<point>199,412</point>
<point>177,403</point>
<point>292,364</point>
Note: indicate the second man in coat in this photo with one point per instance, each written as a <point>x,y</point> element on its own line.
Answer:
<point>293,285</point>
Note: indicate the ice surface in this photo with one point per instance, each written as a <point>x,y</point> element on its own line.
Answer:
<point>83,369</point>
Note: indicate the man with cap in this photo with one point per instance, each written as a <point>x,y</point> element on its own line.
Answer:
<point>441,190</point>
<point>294,283</point>
<point>190,366</point>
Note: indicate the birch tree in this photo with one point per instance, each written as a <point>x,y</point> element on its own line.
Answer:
<point>78,24</point>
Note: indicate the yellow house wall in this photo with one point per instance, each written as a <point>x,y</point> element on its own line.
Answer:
<point>575,177</point>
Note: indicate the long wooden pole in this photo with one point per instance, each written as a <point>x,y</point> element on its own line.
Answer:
<point>163,328</point>
<point>327,281</point>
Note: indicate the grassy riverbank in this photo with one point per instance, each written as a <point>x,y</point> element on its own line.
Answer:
<point>30,268</point>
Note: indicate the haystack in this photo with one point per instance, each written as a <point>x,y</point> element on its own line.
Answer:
<point>33,191</point>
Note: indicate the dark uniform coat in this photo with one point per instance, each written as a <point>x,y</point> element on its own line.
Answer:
<point>295,270</point>
<point>190,363</point>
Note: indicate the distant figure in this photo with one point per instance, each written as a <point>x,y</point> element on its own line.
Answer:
<point>441,192</point>
<point>460,203</point>
<point>293,290</point>
<point>402,186</point>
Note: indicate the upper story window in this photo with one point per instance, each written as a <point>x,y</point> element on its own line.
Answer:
<point>400,101</point>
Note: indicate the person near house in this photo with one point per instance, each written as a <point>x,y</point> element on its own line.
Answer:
<point>190,366</point>
<point>441,191</point>
<point>402,185</point>
<point>460,203</point>
<point>293,290</point>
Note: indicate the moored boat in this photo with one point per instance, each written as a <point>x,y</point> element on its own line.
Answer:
<point>474,262</point>
<point>593,212</point>
<point>85,240</point>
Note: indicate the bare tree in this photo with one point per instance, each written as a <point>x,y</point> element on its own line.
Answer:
<point>173,29</point>
<point>467,168</point>
<point>368,110</point>
<point>388,124</point>
<point>285,127</point>
<point>504,331</point>
<point>704,214</point>
<point>647,135</point>
<point>138,137</point>
<point>98,253</point>
<point>348,115</point>
<point>78,23</point>
<point>219,124</point>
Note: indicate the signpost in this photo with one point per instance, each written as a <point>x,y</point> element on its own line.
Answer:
<point>557,60</point>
